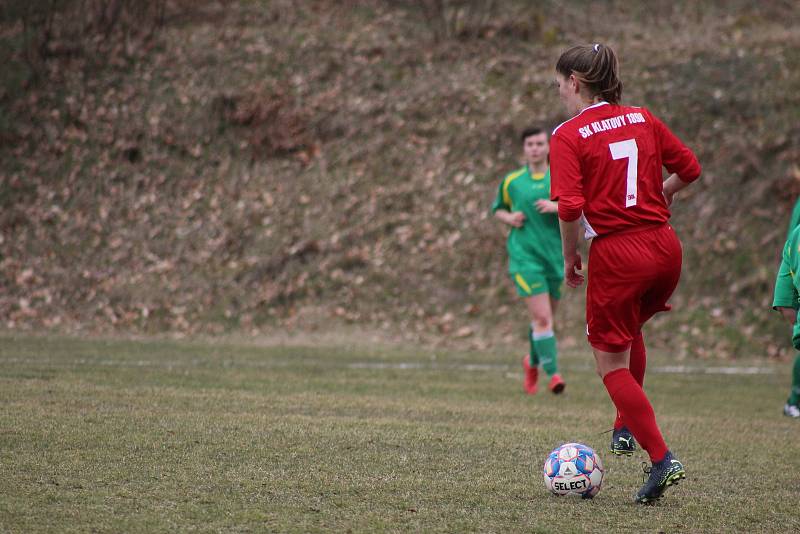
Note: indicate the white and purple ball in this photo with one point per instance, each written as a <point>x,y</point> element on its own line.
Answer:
<point>573,469</point>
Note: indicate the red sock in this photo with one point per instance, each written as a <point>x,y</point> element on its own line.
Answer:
<point>630,400</point>
<point>618,422</point>
<point>638,359</point>
<point>638,364</point>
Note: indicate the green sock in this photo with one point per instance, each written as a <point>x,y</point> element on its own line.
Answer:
<point>545,344</point>
<point>533,358</point>
<point>794,398</point>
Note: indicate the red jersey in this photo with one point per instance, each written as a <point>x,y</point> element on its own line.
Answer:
<point>605,163</point>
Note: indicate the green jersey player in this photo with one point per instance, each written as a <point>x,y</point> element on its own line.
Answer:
<point>786,301</point>
<point>795,219</point>
<point>535,262</point>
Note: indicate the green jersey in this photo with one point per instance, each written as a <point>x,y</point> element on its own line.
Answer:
<point>787,283</point>
<point>786,294</point>
<point>536,245</point>
<point>795,220</point>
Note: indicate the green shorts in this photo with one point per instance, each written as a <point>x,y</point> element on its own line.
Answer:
<point>535,283</point>
<point>796,334</point>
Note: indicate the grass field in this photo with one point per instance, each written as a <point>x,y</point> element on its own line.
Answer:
<point>127,436</point>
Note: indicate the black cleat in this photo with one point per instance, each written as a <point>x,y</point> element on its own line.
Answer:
<point>664,474</point>
<point>622,442</point>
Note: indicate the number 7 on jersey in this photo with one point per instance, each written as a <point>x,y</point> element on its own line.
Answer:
<point>628,149</point>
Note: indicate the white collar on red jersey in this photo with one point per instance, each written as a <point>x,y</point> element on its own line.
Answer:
<point>602,103</point>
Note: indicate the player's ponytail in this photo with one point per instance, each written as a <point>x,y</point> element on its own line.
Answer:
<point>596,67</point>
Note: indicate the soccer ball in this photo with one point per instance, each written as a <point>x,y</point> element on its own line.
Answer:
<point>573,469</point>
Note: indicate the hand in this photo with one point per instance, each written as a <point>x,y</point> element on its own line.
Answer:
<point>672,185</point>
<point>790,314</point>
<point>516,219</point>
<point>572,264</point>
<point>668,196</point>
<point>546,206</point>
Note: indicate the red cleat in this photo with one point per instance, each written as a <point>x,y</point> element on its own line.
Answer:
<point>557,384</point>
<point>531,376</point>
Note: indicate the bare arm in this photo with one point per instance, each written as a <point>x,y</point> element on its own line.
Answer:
<point>790,314</point>
<point>511,218</point>
<point>569,246</point>
<point>672,185</point>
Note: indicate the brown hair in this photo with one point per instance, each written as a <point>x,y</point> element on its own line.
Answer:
<point>531,130</point>
<point>595,66</point>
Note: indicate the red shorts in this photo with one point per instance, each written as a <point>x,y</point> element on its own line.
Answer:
<point>631,277</point>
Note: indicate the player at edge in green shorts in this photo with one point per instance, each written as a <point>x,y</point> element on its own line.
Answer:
<point>536,265</point>
<point>786,301</point>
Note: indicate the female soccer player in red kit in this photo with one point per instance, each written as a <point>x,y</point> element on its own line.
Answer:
<point>606,167</point>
